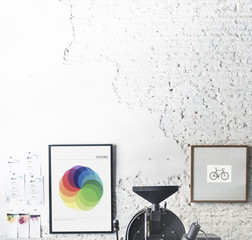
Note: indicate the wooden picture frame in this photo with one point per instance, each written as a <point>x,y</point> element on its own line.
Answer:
<point>219,173</point>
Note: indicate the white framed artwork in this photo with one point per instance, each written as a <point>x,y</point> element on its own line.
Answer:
<point>219,173</point>
<point>80,188</point>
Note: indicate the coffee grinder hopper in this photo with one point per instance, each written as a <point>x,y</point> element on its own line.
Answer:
<point>155,194</point>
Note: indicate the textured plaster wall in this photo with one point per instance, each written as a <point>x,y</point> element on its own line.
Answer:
<point>190,62</point>
<point>156,76</point>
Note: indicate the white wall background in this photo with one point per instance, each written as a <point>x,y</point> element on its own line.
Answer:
<point>151,77</point>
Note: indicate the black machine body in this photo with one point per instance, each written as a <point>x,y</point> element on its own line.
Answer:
<point>155,225</point>
<point>155,222</point>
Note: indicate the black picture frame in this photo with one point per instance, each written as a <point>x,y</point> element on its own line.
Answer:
<point>80,188</point>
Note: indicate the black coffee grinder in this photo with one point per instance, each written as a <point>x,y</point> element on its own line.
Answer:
<point>155,222</point>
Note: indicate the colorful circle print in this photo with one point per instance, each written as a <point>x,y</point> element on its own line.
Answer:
<point>81,188</point>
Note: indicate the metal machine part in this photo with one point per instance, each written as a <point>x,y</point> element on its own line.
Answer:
<point>141,228</point>
<point>192,233</point>
<point>155,223</point>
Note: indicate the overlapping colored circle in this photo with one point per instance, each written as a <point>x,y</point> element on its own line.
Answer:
<point>81,188</point>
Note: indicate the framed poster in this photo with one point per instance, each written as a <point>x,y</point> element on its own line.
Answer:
<point>219,173</point>
<point>80,188</point>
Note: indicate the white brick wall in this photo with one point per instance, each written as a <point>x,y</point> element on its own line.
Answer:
<point>190,64</point>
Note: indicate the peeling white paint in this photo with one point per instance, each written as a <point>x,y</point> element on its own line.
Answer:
<point>151,77</point>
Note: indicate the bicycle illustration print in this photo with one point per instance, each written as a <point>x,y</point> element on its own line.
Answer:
<point>219,173</point>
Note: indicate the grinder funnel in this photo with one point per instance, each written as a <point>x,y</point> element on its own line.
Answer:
<point>155,194</point>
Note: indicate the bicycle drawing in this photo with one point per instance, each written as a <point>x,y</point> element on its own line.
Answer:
<point>219,173</point>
